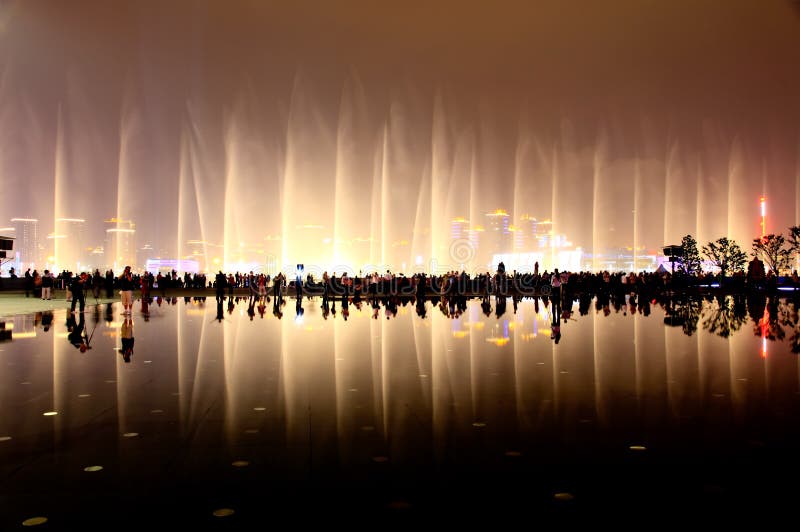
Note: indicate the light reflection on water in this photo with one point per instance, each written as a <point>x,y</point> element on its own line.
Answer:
<point>587,361</point>
<point>323,390</point>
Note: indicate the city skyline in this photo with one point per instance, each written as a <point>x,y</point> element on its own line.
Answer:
<point>472,247</point>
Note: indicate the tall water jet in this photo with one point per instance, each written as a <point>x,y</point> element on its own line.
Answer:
<point>121,236</point>
<point>309,179</point>
<point>351,201</point>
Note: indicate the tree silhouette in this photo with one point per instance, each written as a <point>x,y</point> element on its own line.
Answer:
<point>690,259</point>
<point>771,249</point>
<point>794,242</point>
<point>726,255</point>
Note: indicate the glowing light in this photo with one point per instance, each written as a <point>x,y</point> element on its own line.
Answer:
<point>763,348</point>
<point>499,342</point>
<point>763,217</point>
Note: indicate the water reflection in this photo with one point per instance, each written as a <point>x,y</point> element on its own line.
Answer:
<point>425,385</point>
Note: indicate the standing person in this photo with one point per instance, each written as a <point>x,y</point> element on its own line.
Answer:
<point>47,285</point>
<point>78,296</point>
<point>262,286</point>
<point>555,294</point>
<point>220,281</point>
<point>276,287</point>
<point>28,283</point>
<point>145,285</point>
<point>109,284</point>
<point>325,285</point>
<point>126,290</point>
<point>298,282</point>
<point>67,280</point>
<point>97,283</point>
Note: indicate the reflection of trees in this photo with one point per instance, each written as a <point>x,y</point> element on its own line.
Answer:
<point>788,317</point>
<point>724,315</point>
<point>684,313</point>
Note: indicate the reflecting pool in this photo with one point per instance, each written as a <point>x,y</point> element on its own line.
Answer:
<point>236,411</point>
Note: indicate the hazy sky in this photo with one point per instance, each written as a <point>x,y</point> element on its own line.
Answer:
<point>632,121</point>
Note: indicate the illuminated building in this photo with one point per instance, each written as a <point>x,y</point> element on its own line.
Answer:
<point>498,238</point>
<point>27,250</point>
<point>121,244</point>
<point>70,244</point>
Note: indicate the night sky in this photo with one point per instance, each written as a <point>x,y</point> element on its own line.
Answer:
<point>631,122</point>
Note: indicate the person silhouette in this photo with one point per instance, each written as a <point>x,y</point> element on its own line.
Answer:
<point>220,312</point>
<point>126,335</point>
<point>220,282</point>
<point>298,282</point>
<point>47,320</point>
<point>77,330</point>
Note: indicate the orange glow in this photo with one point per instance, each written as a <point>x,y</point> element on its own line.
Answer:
<point>499,342</point>
<point>763,325</point>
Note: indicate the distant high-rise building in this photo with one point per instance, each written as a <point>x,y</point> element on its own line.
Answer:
<point>120,244</point>
<point>459,228</point>
<point>70,244</point>
<point>27,242</point>
<point>498,237</point>
<point>531,234</point>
